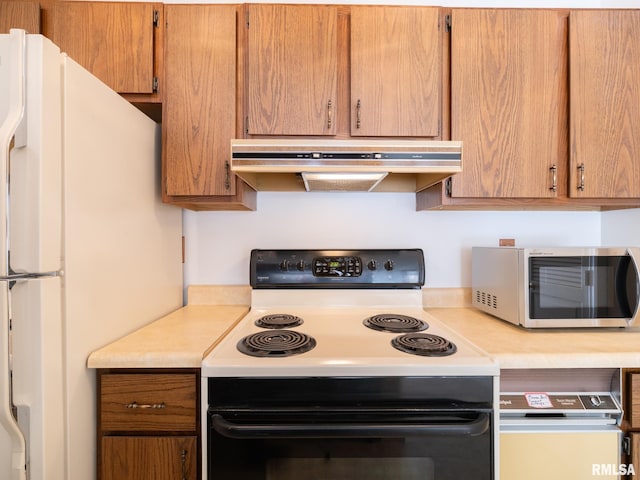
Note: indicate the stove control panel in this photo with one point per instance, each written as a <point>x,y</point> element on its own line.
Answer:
<point>379,268</point>
<point>337,266</point>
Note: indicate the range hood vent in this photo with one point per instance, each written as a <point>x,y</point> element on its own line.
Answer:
<point>344,165</point>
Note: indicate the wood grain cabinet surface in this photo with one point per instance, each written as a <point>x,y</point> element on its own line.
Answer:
<point>335,70</point>
<point>396,68</point>
<point>605,103</point>
<point>631,423</point>
<point>534,135</point>
<point>25,15</point>
<point>509,103</point>
<point>116,41</point>
<point>292,57</point>
<point>148,425</point>
<point>200,108</point>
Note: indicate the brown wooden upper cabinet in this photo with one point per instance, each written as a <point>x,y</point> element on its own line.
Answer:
<point>605,103</point>
<point>199,106</point>
<point>114,41</point>
<point>344,71</point>
<point>396,68</point>
<point>25,15</point>
<point>292,69</point>
<point>509,102</point>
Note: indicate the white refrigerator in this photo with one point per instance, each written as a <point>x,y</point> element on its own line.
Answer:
<point>88,252</point>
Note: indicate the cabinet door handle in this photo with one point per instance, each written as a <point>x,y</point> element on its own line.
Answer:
<point>358,107</point>
<point>329,115</point>
<point>554,178</point>
<point>581,182</point>
<point>145,405</point>
<point>227,175</point>
<point>183,459</point>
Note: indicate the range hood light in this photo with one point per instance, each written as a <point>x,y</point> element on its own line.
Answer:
<point>341,182</point>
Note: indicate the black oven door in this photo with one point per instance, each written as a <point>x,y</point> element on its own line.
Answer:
<point>430,439</point>
<point>351,445</point>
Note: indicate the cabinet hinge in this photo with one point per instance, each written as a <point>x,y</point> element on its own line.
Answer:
<point>156,18</point>
<point>626,445</point>
<point>246,125</point>
<point>246,19</point>
<point>448,186</point>
<point>447,23</point>
<point>155,85</point>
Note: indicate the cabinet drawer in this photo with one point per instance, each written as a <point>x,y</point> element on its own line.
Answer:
<point>634,400</point>
<point>148,402</point>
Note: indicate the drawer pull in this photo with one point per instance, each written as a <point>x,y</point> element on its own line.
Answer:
<point>145,405</point>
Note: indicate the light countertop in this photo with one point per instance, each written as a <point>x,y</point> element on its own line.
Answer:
<point>182,338</point>
<point>178,340</point>
<point>516,347</point>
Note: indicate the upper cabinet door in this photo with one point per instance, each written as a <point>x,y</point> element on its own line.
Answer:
<point>114,41</point>
<point>292,69</point>
<point>25,15</point>
<point>605,103</point>
<point>396,71</point>
<point>200,99</point>
<point>509,102</point>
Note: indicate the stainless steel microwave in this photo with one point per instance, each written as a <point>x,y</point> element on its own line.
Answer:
<point>561,287</point>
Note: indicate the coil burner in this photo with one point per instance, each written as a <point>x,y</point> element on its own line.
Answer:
<point>279,320</point>
<point>279,343</point>
<point>390,322</point>
<point>424,344</point>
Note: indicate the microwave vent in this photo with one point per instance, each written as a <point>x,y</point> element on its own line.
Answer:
<point>486,299</point>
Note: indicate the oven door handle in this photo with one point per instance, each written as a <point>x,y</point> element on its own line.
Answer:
<point>473,427</point>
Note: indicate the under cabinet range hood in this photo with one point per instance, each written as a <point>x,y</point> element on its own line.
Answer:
<point>344,165</point>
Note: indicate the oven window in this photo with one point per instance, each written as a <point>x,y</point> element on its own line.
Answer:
<point>581,287</point>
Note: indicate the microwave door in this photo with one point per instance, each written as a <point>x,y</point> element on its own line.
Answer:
<point>628,285</point>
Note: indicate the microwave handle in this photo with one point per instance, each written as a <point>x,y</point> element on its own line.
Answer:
<point>634,253</point>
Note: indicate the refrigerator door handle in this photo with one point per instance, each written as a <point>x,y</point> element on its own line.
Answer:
<point>7,421</point>
<point>15,62</point>
<point>12,277</point>
<point>16,86</point>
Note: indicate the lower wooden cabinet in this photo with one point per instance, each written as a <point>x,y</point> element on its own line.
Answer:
<point>631,423</point>
<point>149,458</point>
<point>149,424</point>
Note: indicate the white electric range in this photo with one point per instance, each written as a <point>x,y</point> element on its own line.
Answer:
<point>338,370</point>
<point>341,313</point>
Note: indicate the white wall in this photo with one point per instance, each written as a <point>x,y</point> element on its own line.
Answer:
<point>218,243</point>
<point>621,228</point>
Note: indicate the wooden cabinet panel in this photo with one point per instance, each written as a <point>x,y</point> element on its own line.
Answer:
<point>149,458</point>
<point>635,454</point>
<point>605,103</point>
<point>509,101</point>
<point>148,402</point>
<point>25,15</point>
<point>200,98</point>
<point>200,105</point>
<point>114,41</point>
<point>633,403</point>
<point>292,69</point>
<point>396,68</point>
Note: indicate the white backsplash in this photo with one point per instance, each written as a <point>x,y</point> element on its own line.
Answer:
<point>218,243</point>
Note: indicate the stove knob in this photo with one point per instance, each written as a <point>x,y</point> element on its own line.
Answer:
<point>372,265</point>
<point>300,265</point>
<point>284,265</point>
<point>388,265</point>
